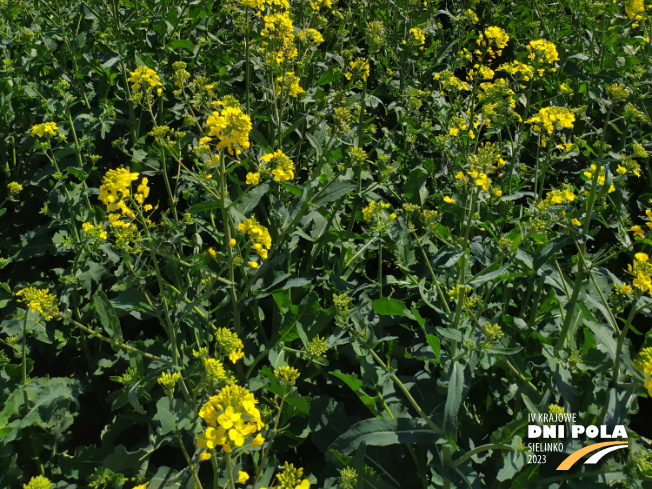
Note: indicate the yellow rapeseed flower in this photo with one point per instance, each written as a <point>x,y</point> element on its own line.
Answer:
<point>231,126</point>
<point>46,128</point>
<point>232,417</point>
<point>39,300</point>
<point>38,482</point>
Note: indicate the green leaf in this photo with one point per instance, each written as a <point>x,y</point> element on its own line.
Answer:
<point>389,307</point>
<point>328,77</point>
<point>453,398</point>
<point>108,318</point>
<point>351,380</point>
<point>335,191</point>
<point>250,200</point>
<point>435,344</point>
<point>491,272</point>
<point>383,432</point>
<point>203,207</point>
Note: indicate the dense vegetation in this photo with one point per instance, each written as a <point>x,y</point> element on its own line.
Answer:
<point>351,244</point>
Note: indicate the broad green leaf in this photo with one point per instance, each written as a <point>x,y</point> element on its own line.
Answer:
<point>454,397</point>
<point>108,318</point>
<point>389,307</point>
<point>384,432</point>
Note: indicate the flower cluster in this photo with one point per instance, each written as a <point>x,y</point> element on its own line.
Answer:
<point>634,8</point>
<point>94,232</point>
<point>485,161</point>
<point>560,196</point>
<point>167,381</point>
<point>291,478</point>
<point>38,482</point>
<point>459,124</point>
<point>372,210</point>
<point>315,4</point>
<point>552,118</point>
<point>450,81</point>
<point>359,69</point>
<point>317,347</point>
<point>644,364</point>
<point>260,235</point>
<point>542,51</point>
<point>115,188</point>
<point>231,126</point>
<point>521,71</point>
<point>233,418</point>
<point>498,103</point>
<point>311,35</point>
<point>280,32</point>
<point>230,344</point>
<point>601,176</point>
<point>283,166</point>
<point>144,81</point>
<point>14,188</point>
<point>215,371</point>
<point>290,84</point>
<point>287,374</point>
<point>39,300</point>
<point>641,269</point>
<point>419,36</point>
<point>492,37</point>
<point>45,128</point>
<point>263,5</point>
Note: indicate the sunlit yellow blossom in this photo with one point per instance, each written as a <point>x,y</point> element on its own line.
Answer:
<point>359,69</point>
<point>144,79</point>
<point>643,282</point>
<point>576,222</point>
<point>94,232</point>
<point>253,178</point>
<point>49,128</point>
<point>39,300</point>
<point>283,166</point>
<point>552,118</point>
<point>242,477</point>
<point>483,181</point>
<point>449,200</point>
<point>212,252</point>
<point>643,362</point>
<point>231,126</point>
<point>418,34</point>
<point>230,344</point>
<point>541,50</point>
<point>290,84</point>
<point>232,417</point>
<point>638,231</point>
<point>634,7</point>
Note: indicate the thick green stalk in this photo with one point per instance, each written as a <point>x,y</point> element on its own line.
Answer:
<point>227,239</point>
<point>579,279</point>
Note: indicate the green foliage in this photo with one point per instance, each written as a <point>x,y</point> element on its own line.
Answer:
<point>391,232</point>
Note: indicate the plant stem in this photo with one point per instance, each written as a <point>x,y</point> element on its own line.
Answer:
<point>115,342</point>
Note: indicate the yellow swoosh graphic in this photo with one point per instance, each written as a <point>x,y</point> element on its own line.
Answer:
<point>575,456</point>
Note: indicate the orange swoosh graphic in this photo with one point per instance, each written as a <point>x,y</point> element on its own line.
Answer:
<point>575,456</point>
